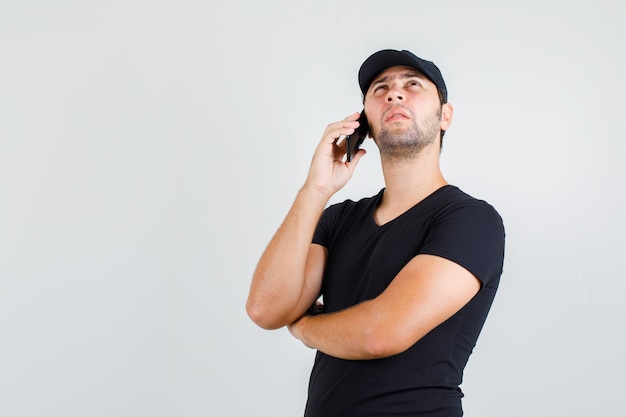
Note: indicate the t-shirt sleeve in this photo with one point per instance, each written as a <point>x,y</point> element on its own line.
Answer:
<point>321,236</point>
<point>470,234</point>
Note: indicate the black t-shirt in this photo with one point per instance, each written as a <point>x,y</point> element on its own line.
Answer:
<point>363,258</point>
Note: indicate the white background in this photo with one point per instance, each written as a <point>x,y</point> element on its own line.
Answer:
<point>149,150</point>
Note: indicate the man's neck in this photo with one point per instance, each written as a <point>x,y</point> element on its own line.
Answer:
<point>408,182</point>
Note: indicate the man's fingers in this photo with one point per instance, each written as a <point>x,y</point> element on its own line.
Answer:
<point>335,131</point>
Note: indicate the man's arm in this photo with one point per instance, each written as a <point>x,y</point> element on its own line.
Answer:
<point>426,292</point>
<point>288,277</point>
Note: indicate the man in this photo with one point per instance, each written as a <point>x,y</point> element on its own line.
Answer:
<point>407,276</point>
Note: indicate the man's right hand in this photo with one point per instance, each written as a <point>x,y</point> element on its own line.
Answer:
<point>329,172</point>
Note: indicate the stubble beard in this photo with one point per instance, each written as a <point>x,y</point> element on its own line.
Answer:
<point>407,145</point>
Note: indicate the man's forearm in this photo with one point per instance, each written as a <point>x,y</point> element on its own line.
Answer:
<point>279,279</point>
<point>350,334</point>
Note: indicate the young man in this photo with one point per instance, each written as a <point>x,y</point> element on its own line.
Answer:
<point>407,276</point>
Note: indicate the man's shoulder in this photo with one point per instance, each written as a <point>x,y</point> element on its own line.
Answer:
<point>453,202</point>
<point>454,195</point>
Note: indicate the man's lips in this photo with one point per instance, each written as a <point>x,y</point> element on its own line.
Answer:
<point>396,114</point>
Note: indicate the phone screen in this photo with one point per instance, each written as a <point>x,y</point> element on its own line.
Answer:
<point>355,140</point>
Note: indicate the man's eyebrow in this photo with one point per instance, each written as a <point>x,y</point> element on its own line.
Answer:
<point>405,75</point>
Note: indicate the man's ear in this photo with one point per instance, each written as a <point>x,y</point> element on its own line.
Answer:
<point>446,116</point>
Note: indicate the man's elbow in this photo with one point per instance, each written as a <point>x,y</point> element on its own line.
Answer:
<point>383,343</point>
<point>262,317</point>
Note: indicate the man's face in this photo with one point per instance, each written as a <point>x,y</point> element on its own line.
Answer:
<point>404,112</point>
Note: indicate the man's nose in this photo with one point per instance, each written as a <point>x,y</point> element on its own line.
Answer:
<point>394,94</point>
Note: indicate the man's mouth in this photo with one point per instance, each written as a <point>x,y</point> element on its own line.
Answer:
<point>396,114</point>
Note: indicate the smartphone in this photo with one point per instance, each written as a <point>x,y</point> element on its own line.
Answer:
<point>355,140</point>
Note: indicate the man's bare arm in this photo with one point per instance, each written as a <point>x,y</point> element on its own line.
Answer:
<point>427,291</point>
<point>288,277</point>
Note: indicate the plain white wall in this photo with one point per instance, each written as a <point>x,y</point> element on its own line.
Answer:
<point>149,150</point>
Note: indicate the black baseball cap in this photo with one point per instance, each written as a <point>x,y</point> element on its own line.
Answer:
<point>387,58</point>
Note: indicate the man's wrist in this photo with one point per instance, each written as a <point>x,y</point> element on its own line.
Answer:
<point>315,194</point>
